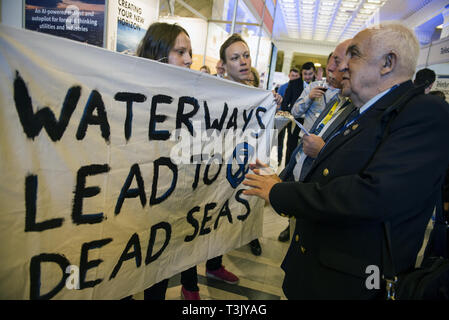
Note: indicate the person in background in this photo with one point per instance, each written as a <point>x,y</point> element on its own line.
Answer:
<point>221,72</point>
<point>169,43</point>
<point>438,94</point>
<point>205,69</point>
<point>294,90</point>
<point>319,74</point>
<point>427,77</point>
<point>313,102</point>
<point>367,177</point>
<point>236,58</point>
<point>254,79</point>
<point>292,75</point>
<point>314,98</point>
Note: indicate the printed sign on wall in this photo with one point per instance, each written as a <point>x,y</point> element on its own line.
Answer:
<point>133,19</point>
<point>76,20</point>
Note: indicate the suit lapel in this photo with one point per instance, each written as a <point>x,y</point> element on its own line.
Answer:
<point>338,122</point>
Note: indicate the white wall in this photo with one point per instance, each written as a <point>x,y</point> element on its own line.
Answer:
<point>11,13</point>
<point>197,29</point>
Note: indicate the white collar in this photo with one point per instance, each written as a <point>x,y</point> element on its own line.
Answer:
<point>373,100</point>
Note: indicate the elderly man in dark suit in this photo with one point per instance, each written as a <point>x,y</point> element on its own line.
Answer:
<point>386,165</point>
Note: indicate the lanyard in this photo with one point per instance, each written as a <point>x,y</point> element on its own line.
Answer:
<point>327,118</point>
<point>331,113</point>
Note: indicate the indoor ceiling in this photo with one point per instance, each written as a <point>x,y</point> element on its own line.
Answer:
<point>327,20</point>
<point>335,20</point>
<point>323,21</point>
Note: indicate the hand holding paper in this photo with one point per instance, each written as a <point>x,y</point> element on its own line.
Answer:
<point>312,145</point>
<point>302,128</point>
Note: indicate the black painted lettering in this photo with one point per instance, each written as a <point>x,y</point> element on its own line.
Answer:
<point>129,98</point>
<point>154,134</point>
<point>247,119</point>
<point>85,264</point>
<point>233,119</point>
<point>163,161</point>
<point>126,255</point>
<point>245,203</point>
<point>32,123</point>
<point>31,183</point>
<point>126,192</point>
<point>182,117</point>
<point>224,212</point>
<point>35,275</point>
<point>218,125</point>
<point>259,119</point>
<point>206,218</point>
<point>197,176</point>
<point>95,101</point>
<point>191,219</point>
<point>206,179</point>
<point>81,192</point>
<point>167,228</point>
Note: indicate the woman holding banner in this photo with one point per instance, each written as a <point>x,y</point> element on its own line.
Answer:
<point>167,43</point>
<point>234,53</point>
<point>170,43</point>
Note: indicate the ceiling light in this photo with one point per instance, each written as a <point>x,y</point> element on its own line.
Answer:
<point>370,6</point>
<point>348,5</point>
<point>367,11</point>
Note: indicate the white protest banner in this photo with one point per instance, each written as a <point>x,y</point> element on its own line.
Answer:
<point>98,189</point>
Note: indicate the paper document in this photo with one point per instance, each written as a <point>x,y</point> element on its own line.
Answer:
<point>302,128</point>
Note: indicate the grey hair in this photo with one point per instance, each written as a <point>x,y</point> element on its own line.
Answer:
<point>399,39</point>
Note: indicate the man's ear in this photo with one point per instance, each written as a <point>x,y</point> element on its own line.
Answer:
<point>389,63</point>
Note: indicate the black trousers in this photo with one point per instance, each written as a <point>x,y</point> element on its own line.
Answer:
<point>281,137</point>
<point>155,292</point>
<point>292,142</point>
<point>189,279</point>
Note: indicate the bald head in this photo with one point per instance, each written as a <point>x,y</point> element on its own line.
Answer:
<point>377,59</point>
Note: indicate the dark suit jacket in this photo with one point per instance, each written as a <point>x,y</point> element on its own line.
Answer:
<point>292,93</point>
<point>346,197</point>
